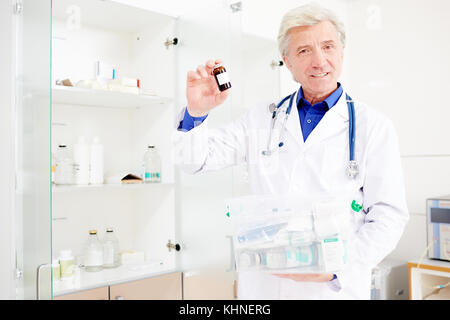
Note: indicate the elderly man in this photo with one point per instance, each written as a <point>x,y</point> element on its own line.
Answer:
<point>309,155</point>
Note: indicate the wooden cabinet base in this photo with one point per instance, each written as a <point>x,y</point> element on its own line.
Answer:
<point>94,294</point>
<point>166,287</point>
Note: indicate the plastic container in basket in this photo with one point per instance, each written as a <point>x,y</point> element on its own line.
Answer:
<point>289,235</point>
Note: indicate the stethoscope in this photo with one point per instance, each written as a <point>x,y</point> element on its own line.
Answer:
<point>352,168</point>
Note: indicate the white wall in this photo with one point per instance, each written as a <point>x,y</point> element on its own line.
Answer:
<point>7,153</point>
<point>399,61</point>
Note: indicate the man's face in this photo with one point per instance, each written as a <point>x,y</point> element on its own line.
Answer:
<point>314,57</point>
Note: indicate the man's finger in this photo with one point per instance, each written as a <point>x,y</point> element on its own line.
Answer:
<point>211,63</point>
<point>193,75</point>
<point>202,71</point>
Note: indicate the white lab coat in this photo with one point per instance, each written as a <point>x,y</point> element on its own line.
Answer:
<point>316,166</point>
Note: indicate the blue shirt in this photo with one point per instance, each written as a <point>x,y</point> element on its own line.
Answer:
<point>190,122</point>
<point>310,115</point>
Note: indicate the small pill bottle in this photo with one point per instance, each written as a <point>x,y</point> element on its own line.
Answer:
<point>66,262</point>
<point>221,75</point>
<point>56,270</point>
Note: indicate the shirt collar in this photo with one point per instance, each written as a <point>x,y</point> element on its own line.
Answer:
<point>330,101</point>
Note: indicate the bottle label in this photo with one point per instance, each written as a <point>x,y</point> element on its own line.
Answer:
<point>94,258</point>
<point>333,253</point>
<point>152,176</point>
<point>223,78</point>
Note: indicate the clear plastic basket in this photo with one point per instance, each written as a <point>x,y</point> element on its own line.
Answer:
<point>290,235</point>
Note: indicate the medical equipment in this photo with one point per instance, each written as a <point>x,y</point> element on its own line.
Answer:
<point>390,281</point>
<point>275,110</point>
<point>221,75</point>
<point>352,168</point>
<point>111,256</point>
<point>288,234</point>
<point>93,253</point>
<point>438,228</point>
<point>81,161</point>
<point>249,258</point>
<point>278,257</point>
<point>64,171</point>
<point>152,165</point>
<point>66,263</point>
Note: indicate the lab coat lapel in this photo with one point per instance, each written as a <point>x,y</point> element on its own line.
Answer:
<point>293,124</point>
<point>334,121</point>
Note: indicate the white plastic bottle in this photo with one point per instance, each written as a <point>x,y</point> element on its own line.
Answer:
<point>56,270</point>
<point>81,161</point>
<point>152,165</point>
<point>111,258</point>
<point>276,258</point>
<point>63,166</point>
<point>93,253</point>
<point>250,259</point>
<point>96,162</point>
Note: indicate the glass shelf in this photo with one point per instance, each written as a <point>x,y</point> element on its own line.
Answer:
<point>108,277</point>
<point>113,186</point>
<point>103,98</point>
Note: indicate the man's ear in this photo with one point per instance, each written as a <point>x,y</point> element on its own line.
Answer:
<point>286,62</point>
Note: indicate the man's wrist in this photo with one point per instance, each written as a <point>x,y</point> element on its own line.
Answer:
<point>189,122</point>
<point>194,114</point>
<point>334,284</point>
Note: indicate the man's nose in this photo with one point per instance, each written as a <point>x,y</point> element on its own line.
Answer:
<point>318,59</point>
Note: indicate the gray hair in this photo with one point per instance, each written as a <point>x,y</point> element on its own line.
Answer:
<point>307,15</point>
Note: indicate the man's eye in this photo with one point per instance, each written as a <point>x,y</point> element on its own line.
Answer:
<point>328,47</point>
<point>303,51</point>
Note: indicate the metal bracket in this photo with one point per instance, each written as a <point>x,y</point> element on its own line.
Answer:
<point>19,274</point>
<point>18,8</point>
<point>38,278</point>
<point>171,42</point>
<point>232,266</point>
<point>171,246</point>
<point>275,64</point>
<point>236,7</point>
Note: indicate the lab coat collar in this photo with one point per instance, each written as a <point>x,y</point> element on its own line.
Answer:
<point>293,124</point>
<point>341,107</point>
<point>333,121</point>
